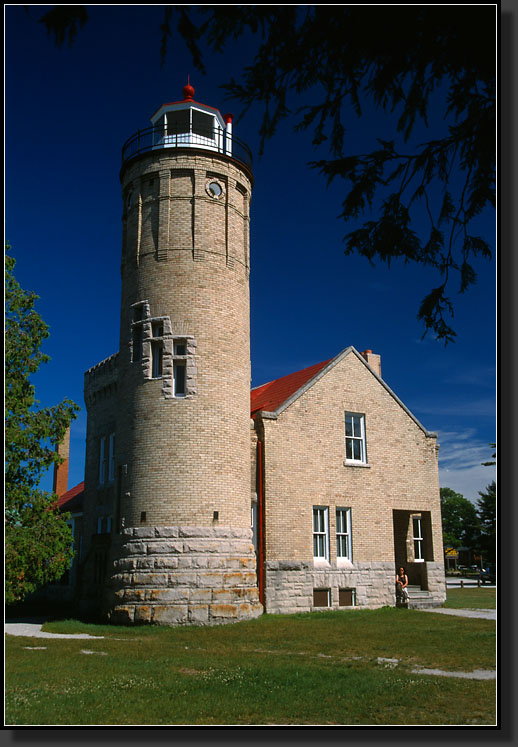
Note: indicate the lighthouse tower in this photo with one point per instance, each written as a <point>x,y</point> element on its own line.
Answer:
<point>178,456</point>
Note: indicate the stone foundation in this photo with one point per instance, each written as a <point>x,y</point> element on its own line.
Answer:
<point>290,585</point>
<point>182,576</point>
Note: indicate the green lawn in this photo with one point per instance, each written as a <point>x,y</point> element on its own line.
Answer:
<point>321,668</point>
<point>471,598</point>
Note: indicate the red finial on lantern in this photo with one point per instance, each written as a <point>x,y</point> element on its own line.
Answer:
<point>188,91</point>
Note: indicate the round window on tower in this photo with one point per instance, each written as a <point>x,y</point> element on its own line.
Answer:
<point>215,189</point>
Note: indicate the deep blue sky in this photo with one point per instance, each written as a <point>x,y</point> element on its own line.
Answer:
<point>68,112</point>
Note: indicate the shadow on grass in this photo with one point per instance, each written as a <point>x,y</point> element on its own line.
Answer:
<point>41,611</point>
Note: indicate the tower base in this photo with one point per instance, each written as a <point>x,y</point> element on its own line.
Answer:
<point>182,576</point>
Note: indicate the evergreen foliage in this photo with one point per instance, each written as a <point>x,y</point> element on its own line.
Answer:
<point>38,542</point>
<point>404,61</point>
<point>399,60</point>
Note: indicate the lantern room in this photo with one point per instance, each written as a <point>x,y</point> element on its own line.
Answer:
<point>188,124</point>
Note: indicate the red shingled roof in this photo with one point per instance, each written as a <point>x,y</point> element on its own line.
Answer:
<point>72,500</point>
<point>271,396</point>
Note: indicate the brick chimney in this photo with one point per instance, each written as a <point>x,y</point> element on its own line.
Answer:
<point>60,485</point>
<point>373,360</point>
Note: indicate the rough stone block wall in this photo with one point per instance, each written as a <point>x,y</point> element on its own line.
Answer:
<point>182,575</point>
<point>290,585</point>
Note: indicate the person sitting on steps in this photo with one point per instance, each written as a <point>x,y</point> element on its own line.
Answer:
<point>401,586</point>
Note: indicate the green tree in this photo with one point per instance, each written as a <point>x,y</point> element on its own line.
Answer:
<point>401,61</point>
<point>486,511</point>
<point>395,59</point>
<point>38,542</point>
<point>459,520</point>
<point>492,462</point>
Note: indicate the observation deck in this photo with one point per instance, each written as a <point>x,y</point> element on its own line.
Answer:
<point>188,124</point>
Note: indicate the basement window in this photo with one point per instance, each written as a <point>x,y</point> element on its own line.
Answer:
<point>346,597</point>
<point>321,598</point>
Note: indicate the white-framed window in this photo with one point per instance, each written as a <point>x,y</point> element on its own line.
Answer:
<point>417,525</point>
<point>355,448</point>
<point>321,532</point>
<point>102,460</point>
<point>343,534</point>
<point>111,457</point>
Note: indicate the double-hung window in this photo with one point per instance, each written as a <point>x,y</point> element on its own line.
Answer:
<point>320,533</point>
<point>355,449</point>
<point>418,539</point>
<point>343,534</point>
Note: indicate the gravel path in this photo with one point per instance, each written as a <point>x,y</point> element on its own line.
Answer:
<point>482,614</point>
<point>32,629</point>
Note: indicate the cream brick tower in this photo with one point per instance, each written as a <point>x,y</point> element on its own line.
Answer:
<point>181,551</point>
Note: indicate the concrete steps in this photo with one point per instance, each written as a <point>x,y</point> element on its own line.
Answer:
<point>419,599</point>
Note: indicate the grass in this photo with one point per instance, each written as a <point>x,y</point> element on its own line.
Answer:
<point>471,598</point>
<point>321,668</point>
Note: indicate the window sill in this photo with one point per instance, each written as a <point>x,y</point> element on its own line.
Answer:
<point>321,563</point>
<point>351,463</point>
<point>343,563</point>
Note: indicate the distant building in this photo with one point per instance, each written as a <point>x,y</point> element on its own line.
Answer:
<point>201,505</point>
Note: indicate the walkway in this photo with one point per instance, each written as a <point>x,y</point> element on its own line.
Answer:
<point>32,629</point>
<point>482,614</point>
